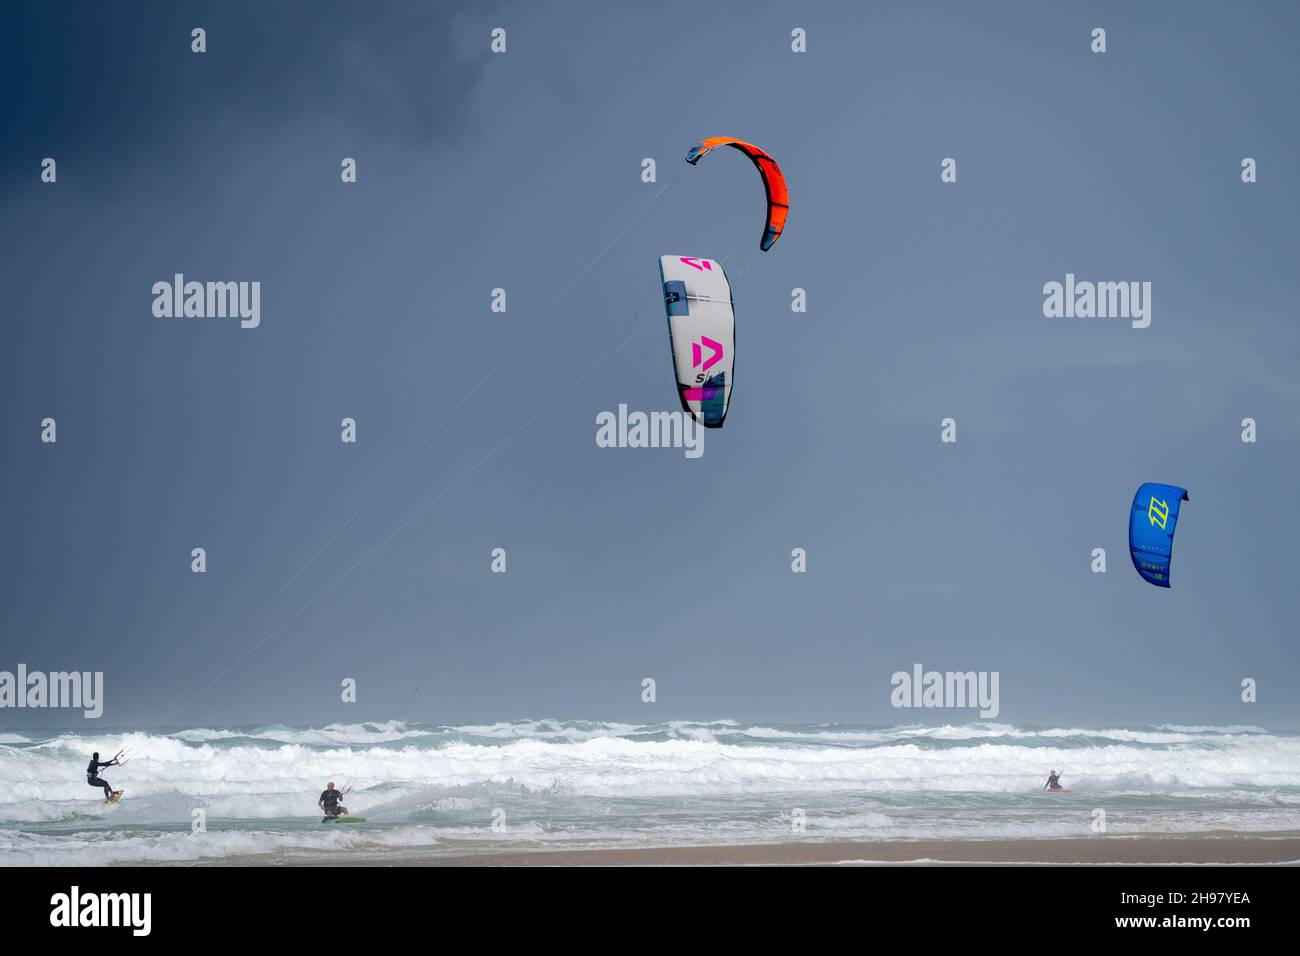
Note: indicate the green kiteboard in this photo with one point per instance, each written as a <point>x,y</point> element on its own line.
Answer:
<point>343,820</point>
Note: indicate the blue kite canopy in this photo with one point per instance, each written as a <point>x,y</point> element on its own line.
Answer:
<point>1151,530</point>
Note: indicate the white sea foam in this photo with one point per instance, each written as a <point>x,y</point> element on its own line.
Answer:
<point>585,781</point>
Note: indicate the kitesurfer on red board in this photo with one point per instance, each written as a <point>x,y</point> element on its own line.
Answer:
<point>1053,781</point>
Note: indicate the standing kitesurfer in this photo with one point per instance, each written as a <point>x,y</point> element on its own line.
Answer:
<point>92,773</point>
<point>1053,781</point>
<point>329,801</point>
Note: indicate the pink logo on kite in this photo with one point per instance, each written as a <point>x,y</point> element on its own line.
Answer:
<point>701,394</point>
<point>697,349</point>
<point>700,264</point>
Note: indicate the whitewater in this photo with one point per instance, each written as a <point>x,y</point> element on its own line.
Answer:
<point>248,794</point>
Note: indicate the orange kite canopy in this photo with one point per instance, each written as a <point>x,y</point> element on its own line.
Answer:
<point>778,198</point>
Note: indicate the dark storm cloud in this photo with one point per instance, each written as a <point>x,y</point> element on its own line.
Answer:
<point>114,83</point>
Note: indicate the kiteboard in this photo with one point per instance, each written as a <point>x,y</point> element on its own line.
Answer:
<point>1059,790</point>
<point>343,820</point>
<point>117,795</point>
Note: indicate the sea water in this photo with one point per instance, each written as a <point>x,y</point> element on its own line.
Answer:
<point>248,794</point>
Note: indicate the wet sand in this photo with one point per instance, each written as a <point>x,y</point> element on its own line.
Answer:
<point>1206,848</point>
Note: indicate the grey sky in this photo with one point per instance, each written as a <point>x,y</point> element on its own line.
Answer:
<point>517,170</point>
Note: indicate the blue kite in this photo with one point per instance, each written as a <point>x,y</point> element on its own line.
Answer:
<point>1151,530</point>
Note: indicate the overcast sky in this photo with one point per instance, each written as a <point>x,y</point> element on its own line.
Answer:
<point>519,170</point>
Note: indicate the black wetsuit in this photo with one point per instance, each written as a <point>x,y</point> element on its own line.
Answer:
<point>1053,782</point>
<point>331,800</point>
<point>92,776</point>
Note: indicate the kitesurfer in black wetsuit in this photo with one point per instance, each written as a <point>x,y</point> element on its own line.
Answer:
<point>92,774</point>
<point>329,801</point>
<point>1053,781</point>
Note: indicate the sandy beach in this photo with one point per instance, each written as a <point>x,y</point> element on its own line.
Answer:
<point>1202,849</point>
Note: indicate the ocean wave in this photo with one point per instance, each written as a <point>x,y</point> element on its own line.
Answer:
<point>588,780</point>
